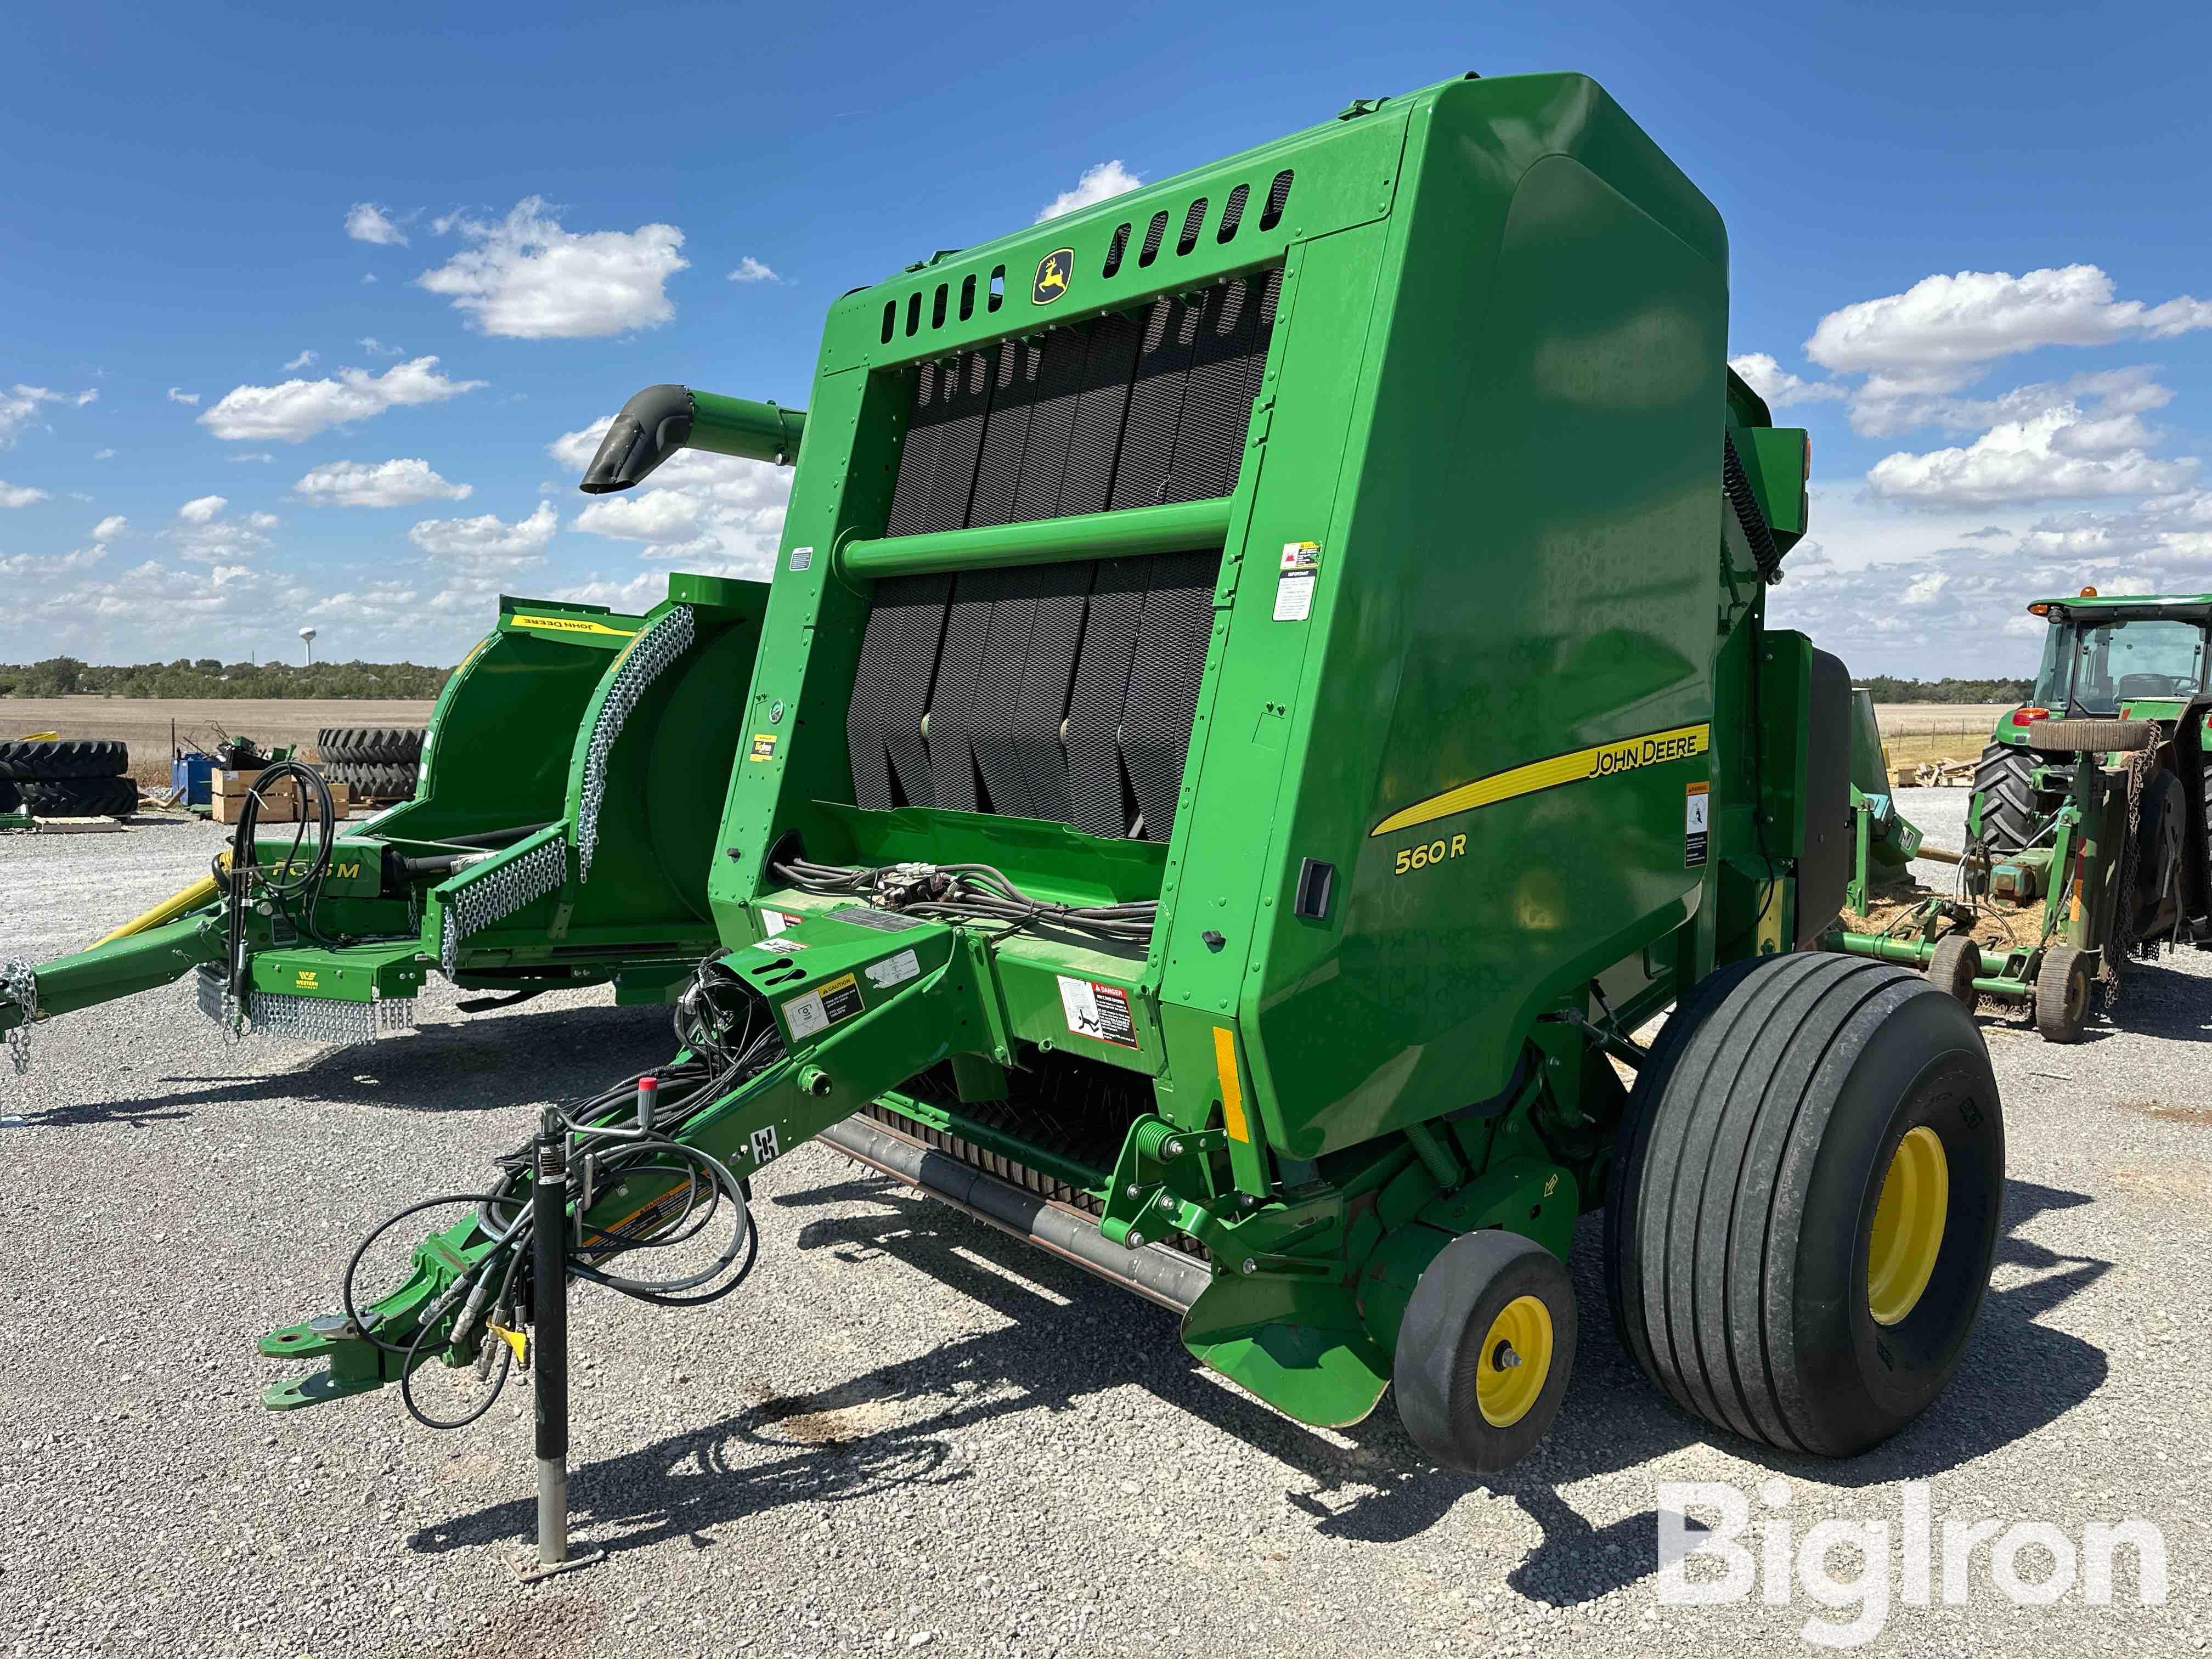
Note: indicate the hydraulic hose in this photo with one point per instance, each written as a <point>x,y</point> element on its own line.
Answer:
<point>1765,553</point>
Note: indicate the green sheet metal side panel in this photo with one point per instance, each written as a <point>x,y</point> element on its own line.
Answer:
<point>666,773</point>
<point>500,736</point>
<point>1534,466</point>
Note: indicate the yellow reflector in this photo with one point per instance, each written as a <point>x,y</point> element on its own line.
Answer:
<point>1232,1097</point>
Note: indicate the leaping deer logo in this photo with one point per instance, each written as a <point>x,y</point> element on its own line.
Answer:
<point>1052,274</point>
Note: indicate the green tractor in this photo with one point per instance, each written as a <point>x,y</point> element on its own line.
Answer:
<point>2086,834</point>
<point>1265,693</point>
<point>2122,658</point>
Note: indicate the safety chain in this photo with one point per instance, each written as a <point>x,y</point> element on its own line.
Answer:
<point>2143,767</point>
<point>21,987</point>
<point>491,892</point>
<point>644,660</point>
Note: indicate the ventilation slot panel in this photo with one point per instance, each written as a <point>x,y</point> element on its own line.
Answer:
<point>1130,409</point>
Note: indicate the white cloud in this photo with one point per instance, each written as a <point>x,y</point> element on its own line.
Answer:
<point>387,484</point>
<point>1098,183</point>
<point>252,455</point>
<point>1920,592</point>
<point>2063,453</point>
<point>103,454</point>
<point>203,508</point>
<point>298,410</point>
<point>304,359</point>
<point>178,395</point>
<point>368,276</point>
<point>19,495</point>
<point>89,395</point>
<point>376,348</point>
<point>528,278</point>
<point>263,520</point>
<point>487,541</point>
<point>18,406</point>
<point>750,269</point>
<point>719,515</point>
<point>1938,334</point>
<point>1779,386</point>
<point>110,527</point>
<point>1882,410</point>
<point>365,221</point>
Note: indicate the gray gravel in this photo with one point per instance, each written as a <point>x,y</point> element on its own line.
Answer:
<point>908,1433</point>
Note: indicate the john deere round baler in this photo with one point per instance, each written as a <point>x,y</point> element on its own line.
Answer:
<point>1264,695</point>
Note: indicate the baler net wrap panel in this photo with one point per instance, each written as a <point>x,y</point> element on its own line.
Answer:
<point>1058,691</point>
<point>1133,409</point>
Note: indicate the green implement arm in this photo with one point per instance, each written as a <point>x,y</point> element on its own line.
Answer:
<point>559,837</point>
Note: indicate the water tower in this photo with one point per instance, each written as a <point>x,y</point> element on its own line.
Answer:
<point>307,645</point>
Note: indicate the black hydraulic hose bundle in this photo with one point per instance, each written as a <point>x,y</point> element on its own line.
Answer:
<point>967,892</point>
<point>289,878</point>
<point>602,1151</point>
<point>1765,553</point>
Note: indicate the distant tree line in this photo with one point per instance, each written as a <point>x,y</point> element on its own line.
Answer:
<point>1888,690</point>
<point>205,677</point>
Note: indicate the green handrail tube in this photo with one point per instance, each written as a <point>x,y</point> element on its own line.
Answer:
<point>662,419</point>
<point>1177,527</point>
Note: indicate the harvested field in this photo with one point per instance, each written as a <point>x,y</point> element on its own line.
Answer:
<point>201,722</point>
<point>1915,731</point>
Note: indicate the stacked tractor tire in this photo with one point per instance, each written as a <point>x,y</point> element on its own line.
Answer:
<point>378,763</point>
<point>72,778</point>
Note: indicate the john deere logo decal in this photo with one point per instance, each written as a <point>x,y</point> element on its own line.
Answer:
<point>1053,272</point>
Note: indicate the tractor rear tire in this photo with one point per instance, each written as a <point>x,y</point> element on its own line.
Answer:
<point>71,758</point>
<point>10,800</point>
<point>80,798</point>
<point>1759,1269</point>
<point>1952,969</point>
<point>2062,987</point>
<point>1484,1351</point>
<point>2004,777</point>
<point>369,745</point>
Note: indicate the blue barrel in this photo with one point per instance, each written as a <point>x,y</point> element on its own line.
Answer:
<point>191,773</point>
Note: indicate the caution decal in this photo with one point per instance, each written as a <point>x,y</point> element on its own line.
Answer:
<point>1599,761</point>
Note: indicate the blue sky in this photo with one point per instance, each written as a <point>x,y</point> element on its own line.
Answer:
<point>551,203</point>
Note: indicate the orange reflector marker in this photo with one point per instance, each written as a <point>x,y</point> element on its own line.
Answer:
<point>2088,593</point>
<point>2039,610</point>
<point>1232,1096</point>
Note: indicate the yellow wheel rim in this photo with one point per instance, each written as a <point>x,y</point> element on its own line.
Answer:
<point>1908,1226</point>
<point>1516,1358</point>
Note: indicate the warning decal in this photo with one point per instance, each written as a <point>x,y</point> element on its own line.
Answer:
<point>763,746</point>
<point>820,1009</point>
<point>1696,808</point>
<point>1098,1012</point>
<point>893,970</point>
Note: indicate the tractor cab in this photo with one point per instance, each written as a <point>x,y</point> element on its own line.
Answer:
<point>2102,659</point>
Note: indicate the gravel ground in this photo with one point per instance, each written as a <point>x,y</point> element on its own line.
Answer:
<point>909,1433</point>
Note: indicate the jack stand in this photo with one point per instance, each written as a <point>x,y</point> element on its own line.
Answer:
<point>549,1375</point>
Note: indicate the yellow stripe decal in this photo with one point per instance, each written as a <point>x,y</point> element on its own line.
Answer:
<point>1232,1096</point>
<point>1600,761</point>
<point>572,625</point>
